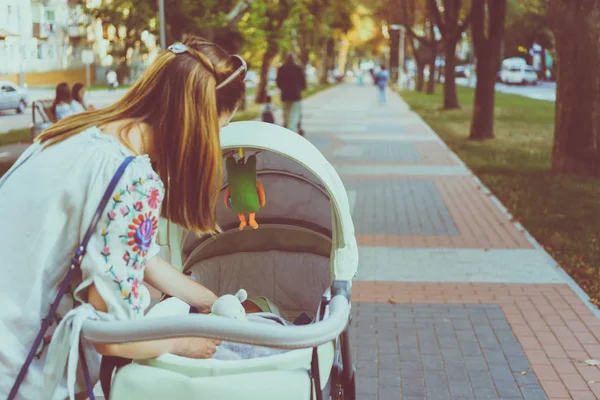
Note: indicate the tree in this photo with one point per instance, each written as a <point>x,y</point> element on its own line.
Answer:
<point>215,20</point>
<point>451,30</point>
<point>527,23</point>
<point>577,126</point>
<point>487,26</point>
<point>266,27</point>
<point>423,47</point>
<point>129,18</point>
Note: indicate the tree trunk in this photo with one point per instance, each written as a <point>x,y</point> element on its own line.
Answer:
<point>323,63</point>
<point>543,66</point>
<point>431,81</point>
<point>577,125</point>
<point>123,71</point>
<point>263,80</point>
<point>450,94</point>
<point>487,50</point>
<point>304,53</point>
<point>394,55</point>
<point>420,77</point>
<point>482,124</point>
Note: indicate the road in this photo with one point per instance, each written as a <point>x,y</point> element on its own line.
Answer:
<point>10,120</point>
<point>542,91</point>
<point>101,98</point>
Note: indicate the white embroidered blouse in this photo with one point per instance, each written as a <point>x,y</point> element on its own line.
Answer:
<point>46,205</point>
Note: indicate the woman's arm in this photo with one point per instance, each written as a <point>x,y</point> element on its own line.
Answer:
<point>186,347</point>
<point>164,277</point>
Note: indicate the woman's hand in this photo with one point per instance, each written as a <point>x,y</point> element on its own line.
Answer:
<point>166,279</point>
<point>196,347</point>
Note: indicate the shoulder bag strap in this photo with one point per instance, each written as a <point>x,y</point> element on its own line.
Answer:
<point>75,264</point>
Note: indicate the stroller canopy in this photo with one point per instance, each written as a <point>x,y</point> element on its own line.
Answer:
<point>302,189</point>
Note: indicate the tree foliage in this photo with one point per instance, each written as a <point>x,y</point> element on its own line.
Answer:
<point>129,18</point>
<point>526,23</point>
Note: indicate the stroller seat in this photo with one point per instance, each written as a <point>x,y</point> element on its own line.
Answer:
<point>173,376</point>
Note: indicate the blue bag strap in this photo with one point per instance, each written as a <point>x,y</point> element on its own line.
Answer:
<point>75,264</point>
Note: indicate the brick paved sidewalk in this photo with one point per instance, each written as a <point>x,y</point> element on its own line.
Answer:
<point>452,300</point>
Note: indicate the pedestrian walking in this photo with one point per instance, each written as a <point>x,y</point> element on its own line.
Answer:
<point>291,80</point>
<point>381,80</point>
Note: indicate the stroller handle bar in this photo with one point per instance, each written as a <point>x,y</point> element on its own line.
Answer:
<point>222,328</point>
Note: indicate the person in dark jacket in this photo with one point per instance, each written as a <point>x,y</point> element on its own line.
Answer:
<point>291,80</point>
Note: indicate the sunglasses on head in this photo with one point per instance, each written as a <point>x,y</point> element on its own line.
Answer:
<point>178,48</point>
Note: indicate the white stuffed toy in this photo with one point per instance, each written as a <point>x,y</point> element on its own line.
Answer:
<point>230,306</point>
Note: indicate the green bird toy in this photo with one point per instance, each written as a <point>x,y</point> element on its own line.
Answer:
<point>244,194</point>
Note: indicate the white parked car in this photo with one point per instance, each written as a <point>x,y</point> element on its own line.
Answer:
<point>12,97</point>
<point>519,74</point>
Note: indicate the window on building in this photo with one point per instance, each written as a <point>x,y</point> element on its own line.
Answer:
<point>40,52</point>
<point>50,15</point>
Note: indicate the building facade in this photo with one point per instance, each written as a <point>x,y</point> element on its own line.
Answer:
<point>41,42</point>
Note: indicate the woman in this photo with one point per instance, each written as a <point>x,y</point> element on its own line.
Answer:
<point>48,198</point>
<point>78,103</point>
<point>61,107</point>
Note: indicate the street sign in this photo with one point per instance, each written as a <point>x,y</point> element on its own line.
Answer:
<point>87,56</point>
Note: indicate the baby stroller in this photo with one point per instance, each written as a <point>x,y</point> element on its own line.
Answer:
<point>303,257</point>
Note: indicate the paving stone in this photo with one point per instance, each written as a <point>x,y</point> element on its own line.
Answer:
<point>389,361</point>
<point>463,391</point>
<point>413,387</point>
<point>411,369</point>
<point>390,392</point>
<point>486,394</point>
<point>481,380</point>
<point>366,384</point>
<point>501,372</point>
<point>432,363</point>
<point>494,356</point>
<point>508,389</point>
<point>470,349</point>
<point>475,363</point>
<point>534,394</point>
<point>410,355</point>
<point>527,380</point>
<point>452,355</point>
<point>518,363</point>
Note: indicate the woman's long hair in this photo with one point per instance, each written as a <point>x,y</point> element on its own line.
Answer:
<point>76,94</point>
<point>177,98</point>
<point>63,94</point>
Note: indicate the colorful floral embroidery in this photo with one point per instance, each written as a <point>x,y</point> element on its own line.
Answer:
<point>138,219</point>
<point>141,232</point>
<point>154,198</point>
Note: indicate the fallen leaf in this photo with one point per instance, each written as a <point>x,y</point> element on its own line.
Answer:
<point>592,362</point>
<point>392,300</point>
<point>524,373</point>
